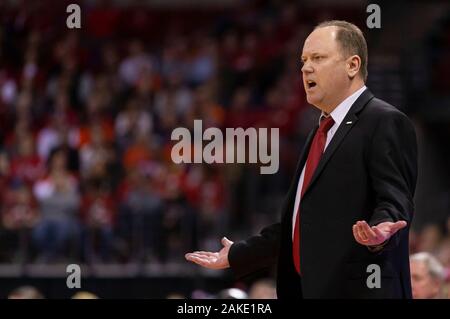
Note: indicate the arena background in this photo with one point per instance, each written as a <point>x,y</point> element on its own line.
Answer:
<point>90,111</point>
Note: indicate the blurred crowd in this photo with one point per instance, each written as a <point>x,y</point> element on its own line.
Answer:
<point>85,167</point>
<point>260,289</point>
<point>87,115</point>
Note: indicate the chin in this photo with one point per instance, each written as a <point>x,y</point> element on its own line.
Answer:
<point>312,101</point>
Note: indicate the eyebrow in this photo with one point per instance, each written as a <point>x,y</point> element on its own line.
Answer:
<point>313,54</point>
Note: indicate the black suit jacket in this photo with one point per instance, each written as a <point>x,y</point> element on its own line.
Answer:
<point>367,172</point>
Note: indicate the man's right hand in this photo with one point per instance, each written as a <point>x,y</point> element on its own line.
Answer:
<point>218,260</point>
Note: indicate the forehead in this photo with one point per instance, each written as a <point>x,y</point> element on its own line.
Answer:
<point>321,40</point>
<point>418,266</point>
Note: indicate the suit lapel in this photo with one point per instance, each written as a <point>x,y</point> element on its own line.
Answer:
<point>349,121</point>
<point>301,163</point>
<point>304,154</point>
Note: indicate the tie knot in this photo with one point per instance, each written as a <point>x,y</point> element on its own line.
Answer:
<point>326,123</point>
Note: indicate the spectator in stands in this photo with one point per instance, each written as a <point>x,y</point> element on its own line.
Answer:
<point>26,165</point>
<point>263,289</point>
<point>98,216</point>
<point>58,199</point>
<point>84,295</point>
<point>232,293</point>
<point>136,63</point>
<point>430,238</point>
<point>19,215</point>
<point>96,155</point>
<point>131,122</point>
<point>427,276</point>
<point>140,214</point>
<point>26,292</point>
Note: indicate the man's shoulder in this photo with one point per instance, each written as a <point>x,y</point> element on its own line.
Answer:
<point>381,116</point>
<point>378,109</point>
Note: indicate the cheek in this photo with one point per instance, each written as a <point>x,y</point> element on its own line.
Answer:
<point>331,76</point>
<point>343,72</point>
<point>338,74</point>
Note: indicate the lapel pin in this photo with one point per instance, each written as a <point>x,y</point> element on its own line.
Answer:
<point>349,122</point>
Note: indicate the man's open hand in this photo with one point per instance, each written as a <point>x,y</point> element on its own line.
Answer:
<point>212,260</point>
<point>375,235</point>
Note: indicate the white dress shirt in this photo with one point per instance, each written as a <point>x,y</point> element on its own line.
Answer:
<point>338,115</point>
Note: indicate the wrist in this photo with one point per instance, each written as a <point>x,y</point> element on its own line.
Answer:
<point>378,247</point>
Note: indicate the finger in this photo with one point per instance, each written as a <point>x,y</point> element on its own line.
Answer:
<point>360,230</point>
<point>398,225</point>
<point>226,242</point>
<point>203,256</point>
<point>370,234</point>
<point>200,260</point>
<point>189,256</point>
<point>205,253</point>
<point>356,235</point>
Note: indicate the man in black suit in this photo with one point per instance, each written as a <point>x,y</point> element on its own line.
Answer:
<point>346,217</point>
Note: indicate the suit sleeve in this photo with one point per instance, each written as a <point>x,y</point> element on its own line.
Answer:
<point>256,253</point>
<point>393,172</point>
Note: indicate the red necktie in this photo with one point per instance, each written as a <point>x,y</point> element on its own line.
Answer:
<point>314,155</point>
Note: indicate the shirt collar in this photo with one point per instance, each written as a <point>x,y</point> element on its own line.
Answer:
<point>339,113</point>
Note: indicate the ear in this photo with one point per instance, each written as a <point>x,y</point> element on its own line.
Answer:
<point>353,65</point>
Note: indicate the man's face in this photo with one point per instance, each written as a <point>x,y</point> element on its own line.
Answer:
<point>423,285</point>
<point>325,75</point>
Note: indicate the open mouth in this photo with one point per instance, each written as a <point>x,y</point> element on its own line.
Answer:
<point>310,84</point>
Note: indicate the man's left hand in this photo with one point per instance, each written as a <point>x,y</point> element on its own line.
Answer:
<point>376,235</point>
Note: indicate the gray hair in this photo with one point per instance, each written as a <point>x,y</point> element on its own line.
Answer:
<point>433,265</point>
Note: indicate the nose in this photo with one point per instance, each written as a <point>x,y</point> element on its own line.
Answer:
<point>306,68</point>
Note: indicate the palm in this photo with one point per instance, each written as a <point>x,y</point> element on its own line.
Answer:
<point>375,235</point>
<point>212,260</point>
